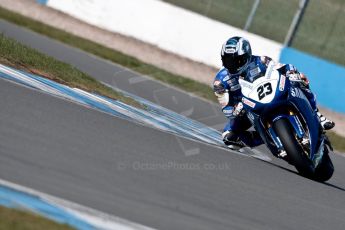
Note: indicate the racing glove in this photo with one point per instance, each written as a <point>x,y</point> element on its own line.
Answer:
<point>238,110</point>
<point>223,98</point>
<point>297,77</point>
<point>221,93</point>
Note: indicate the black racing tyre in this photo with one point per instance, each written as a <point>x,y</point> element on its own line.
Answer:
<point>294,150</point>
<point>325,169</point>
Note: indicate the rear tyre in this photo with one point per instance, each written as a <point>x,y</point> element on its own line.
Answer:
<point>294,150</point>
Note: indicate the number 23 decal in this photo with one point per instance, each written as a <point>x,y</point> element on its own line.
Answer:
<point>264,90</point>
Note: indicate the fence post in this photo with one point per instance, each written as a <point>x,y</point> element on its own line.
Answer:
<point>295,22</point>
<point>251,15</point>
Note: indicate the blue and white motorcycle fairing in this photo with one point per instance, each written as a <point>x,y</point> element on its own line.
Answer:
<point>274,104</point>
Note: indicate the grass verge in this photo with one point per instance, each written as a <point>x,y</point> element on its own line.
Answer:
<point>338,141</point>
<point>183,83</point>
<point>22,57</point>
<point>109,54</point>
<point>19,220</point>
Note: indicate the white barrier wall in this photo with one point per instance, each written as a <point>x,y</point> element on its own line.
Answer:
<point>169,27</point>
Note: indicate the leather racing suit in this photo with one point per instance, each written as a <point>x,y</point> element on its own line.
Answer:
<point>227,89</point>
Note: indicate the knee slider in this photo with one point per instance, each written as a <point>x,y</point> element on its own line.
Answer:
<point>229,137</point>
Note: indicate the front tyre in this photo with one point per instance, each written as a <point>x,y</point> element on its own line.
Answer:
<point>325,169</point>
<point>294,150</point>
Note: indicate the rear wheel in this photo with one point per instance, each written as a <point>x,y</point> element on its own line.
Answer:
<point>294,150</point>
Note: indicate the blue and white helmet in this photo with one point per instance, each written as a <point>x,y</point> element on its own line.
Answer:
<point>236,54</point>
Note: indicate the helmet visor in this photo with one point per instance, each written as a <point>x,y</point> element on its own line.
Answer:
<point>235,63</point>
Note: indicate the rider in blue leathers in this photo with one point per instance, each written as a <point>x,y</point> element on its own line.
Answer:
<point>238,61</point>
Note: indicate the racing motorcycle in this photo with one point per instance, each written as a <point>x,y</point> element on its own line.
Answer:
<point>285,120</point>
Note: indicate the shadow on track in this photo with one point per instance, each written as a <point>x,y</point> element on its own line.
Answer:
<point>296,173</point>
<point>278,166</point>
<point>334,186</point>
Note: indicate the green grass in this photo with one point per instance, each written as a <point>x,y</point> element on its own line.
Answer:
<point>12,219</point>
<point>106,53</point>
<point>189,85</point>
<point>338,142</point>
<point>222,10</point>
<point>321,32</point>
<point>269,20</point>
<point>22,57</point>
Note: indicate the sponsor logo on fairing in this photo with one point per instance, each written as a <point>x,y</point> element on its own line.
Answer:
<point>269,70</point>
<point>293,93</point>
<point>282,83</point>
<point>248,102</point>
<point>296,93</point>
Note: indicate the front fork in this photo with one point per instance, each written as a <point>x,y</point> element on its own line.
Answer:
<point>297,126</point>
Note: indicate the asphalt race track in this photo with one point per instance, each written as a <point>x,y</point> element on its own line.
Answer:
<point>143,174</point>
<point>120,77</point>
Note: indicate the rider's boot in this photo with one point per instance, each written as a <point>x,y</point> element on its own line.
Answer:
<point>251,138</point>
<point>237,141</point>
<point>325,123</point>
<point>232,140</point>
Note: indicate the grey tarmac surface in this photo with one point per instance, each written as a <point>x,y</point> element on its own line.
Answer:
<point>143,174</point>
<point>115,75</point>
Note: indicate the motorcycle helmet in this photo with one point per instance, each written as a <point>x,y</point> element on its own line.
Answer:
<point>236,54</point>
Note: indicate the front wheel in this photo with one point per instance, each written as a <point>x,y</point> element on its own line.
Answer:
<point>325,169</point>
<point>294,150</point>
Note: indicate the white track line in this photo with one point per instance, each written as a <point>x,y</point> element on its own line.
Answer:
<point>98,219</point>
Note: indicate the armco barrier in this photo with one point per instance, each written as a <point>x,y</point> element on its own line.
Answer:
<point>327,79</point>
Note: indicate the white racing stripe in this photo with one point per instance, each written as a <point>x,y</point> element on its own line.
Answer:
<point>124,111</point>
<point>158,117</point>
<point>155,116</point>
<point>153,120</point>
<point>32,82</point>
<point>133,113</point>
<point>97,219</point>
